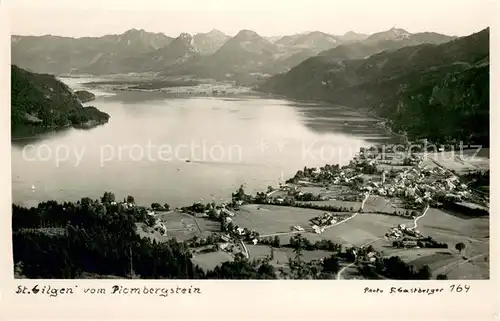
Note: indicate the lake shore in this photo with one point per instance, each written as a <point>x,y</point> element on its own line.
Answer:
<point>331,208</point>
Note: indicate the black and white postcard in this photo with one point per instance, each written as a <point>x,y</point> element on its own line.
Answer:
<point>249,159</point>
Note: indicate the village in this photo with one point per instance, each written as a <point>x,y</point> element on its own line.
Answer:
<point>377,200</point>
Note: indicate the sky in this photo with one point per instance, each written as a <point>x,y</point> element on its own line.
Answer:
<point>266,17</point>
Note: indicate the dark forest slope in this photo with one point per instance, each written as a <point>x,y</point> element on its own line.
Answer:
<point>430,91</point>
<point>40,102</point>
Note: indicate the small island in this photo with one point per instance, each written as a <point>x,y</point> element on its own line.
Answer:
<point>84,96</point>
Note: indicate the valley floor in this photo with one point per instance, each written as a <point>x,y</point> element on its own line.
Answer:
<point>371,220</point>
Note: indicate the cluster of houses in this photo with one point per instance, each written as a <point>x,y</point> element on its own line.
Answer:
<point>297,228</point>
<point>401,230</point>
<point>365,255</point>
<point>369,257</point>
<point>423,185</point>
<point>320,222</point>
<point>418,185</point>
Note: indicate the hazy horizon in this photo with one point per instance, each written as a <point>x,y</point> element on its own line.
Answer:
<point>231,35</point>
<point>267,18</point>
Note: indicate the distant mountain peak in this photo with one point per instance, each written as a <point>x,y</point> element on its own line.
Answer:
<point>390,34</point>
<point>216,32</point>
<point>353,36</point>
<point>134,31</point>
<point>351,33</point>
<point>247,33</point>
<point>185,36</point>
<point>398,31</point>
<point>314,41</point>
<point>184,39</point>
<point>318,33</point>
<point>208,43</point>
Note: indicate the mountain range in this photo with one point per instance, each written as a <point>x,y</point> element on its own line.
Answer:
<point>424,84</point>
<point>429,90</point>
<point>57,55</point>
<point>212,54</point>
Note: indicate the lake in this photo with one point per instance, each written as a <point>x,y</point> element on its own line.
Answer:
<point>181,150</point>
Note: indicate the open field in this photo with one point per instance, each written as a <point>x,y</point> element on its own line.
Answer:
<point>460,163</point>
<point>333,191</point>
<point>421,257</point>
<point>315,190</point>
<point>451,228</point>
<point>361,229</point>
<point>440,261</point>
<point>482,153</point>
<point>434,259</point>
<point>180,226</point>
<point>270,219</point>
<point>477,268</point>
<point>208,261</point>
<point>388,167</point>
<point>277,220</point>
<point>281,255</point>
<point>207,226</point>
<point>347,204</point>
<point>447,262</point>
<point>377,203</point>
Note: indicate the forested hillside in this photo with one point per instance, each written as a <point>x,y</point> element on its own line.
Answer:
<point>439,92</point>
<point>40,101</point>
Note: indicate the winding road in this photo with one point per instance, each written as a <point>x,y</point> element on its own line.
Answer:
<point>415,225</point>
<point>245,250</point>
<point>354,215</point>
